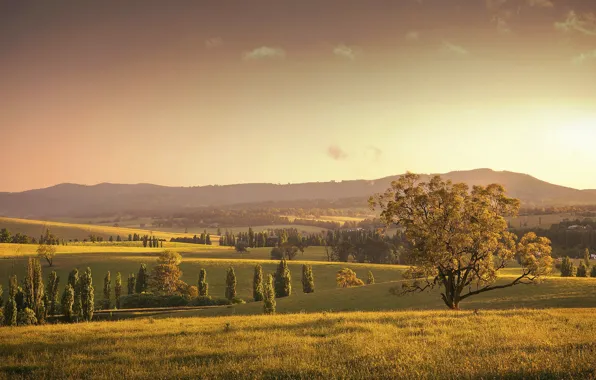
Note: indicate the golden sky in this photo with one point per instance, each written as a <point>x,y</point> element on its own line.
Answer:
<point>219,92</point>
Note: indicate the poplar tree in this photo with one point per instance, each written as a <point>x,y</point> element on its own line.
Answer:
<point>308,281</point>
<point>231,284</point>
<point>118,289</point>
<point>142,280</point>
<point>269,296</point>
<point>10,309</point>
<point>203,285</point>
<point>257,283</point>
<point>34,289</point>
<point>132,282</point>
<point>87,295</point>
<point>68,298</point>
<point>52,293</point>
<point>107,290</point>
<point>74,282</point>
<point>283,280</point>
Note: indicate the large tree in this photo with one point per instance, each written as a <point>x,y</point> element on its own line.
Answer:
<point>165,277</point>
<point>458,238</point>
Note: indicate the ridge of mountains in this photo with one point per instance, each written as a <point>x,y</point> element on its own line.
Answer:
<point>73,200</point>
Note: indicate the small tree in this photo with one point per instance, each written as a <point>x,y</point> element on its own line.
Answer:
<point>118,289</point>
<point>203,286</point>
<point>231,284</point>
<point>68,298</point>
<point>582,270</point>
<point>283,280</point>
<point>370,279</point>
<point>241,247</point>
<point>52,293</point>
<point>131,283</point>
<point>269,296</point>
<point>308,280</point>
<point>567,268</point>
<point>107,291</point>
<point>142,280</point>
<point>257,283</point>
<point>74,282</point>
<point>347,278</point>
<point>165,276</point>
<point>87,295</point>
<point>47,252</point>
<point>587,257</point>
<point>593,271</point>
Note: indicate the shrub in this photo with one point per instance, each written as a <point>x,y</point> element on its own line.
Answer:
<point>308,280</point>
<point>257,283</point>
<point>283,280</point>
<point>203,285</point>
<point>149,300</point>
<point>346,278</point>
<point>582,270</point>
<point>269,296</point>
<point>370,279</point>
<point>593,271</point>
<point>231,284</point>
<point>26,317</point>
<point>237,300</point>
<point>208,301</point>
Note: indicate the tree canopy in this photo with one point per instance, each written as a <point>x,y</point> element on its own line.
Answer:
<point>458,238</point>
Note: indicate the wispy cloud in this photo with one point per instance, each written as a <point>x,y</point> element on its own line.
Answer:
<point>336,153</point>
<point>412,35</point>
<point>213,42</point>
<point>448,47</point>
<point>264,52</point>
<point>541,3</point>
<point>347,52</point>
<point>585,57</point>
<point>584,24</point>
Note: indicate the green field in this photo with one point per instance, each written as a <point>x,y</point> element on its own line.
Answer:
<point>520,344</point>
<point>71,231</point>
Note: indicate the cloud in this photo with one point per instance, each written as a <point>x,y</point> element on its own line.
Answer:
<point>584,24</point>
<point>213,42</point>
<point>541,3</point>
<point>584,57</point>
<point>345,51</point>
<point>455,49</point>
<point>412,35</point>
<point>336,153</point>
<point>264,52</point>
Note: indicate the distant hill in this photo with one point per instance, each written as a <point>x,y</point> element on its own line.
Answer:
<point>71,200</point>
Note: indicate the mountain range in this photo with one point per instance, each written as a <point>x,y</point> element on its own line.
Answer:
<point>70,200</point>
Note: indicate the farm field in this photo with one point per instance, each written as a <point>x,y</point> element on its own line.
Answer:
<point>552,343</point>
<point>71,231</point>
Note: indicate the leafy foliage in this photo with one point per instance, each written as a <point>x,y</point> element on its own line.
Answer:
<point>459,239</point>
<point>283,280</point>
<point>346,278</point>
<point>567,268</point>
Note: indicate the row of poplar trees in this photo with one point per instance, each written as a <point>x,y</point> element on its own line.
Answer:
<point>276,285</point>
<point>33,301</point>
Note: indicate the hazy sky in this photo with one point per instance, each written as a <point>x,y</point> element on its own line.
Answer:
<point>218,92</point>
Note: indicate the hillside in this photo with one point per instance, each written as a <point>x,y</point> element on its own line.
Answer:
<point>70,200</point>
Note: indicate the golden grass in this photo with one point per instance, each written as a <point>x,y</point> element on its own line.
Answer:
<point>556,343</point>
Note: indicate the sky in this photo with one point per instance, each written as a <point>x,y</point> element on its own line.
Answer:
<point>187,93</point>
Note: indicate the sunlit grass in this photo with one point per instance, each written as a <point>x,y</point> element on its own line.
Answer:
<point>426,344</point>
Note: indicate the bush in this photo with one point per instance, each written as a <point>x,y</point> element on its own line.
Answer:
<point>209,301</point>
<point>149,300</point>
<point>593,271</point>
<point>370,279</point>
<point>26,317</point>
<point>237,300</point>
<point>346,278</point>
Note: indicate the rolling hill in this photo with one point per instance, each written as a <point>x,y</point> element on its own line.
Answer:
<point>71,200</point>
